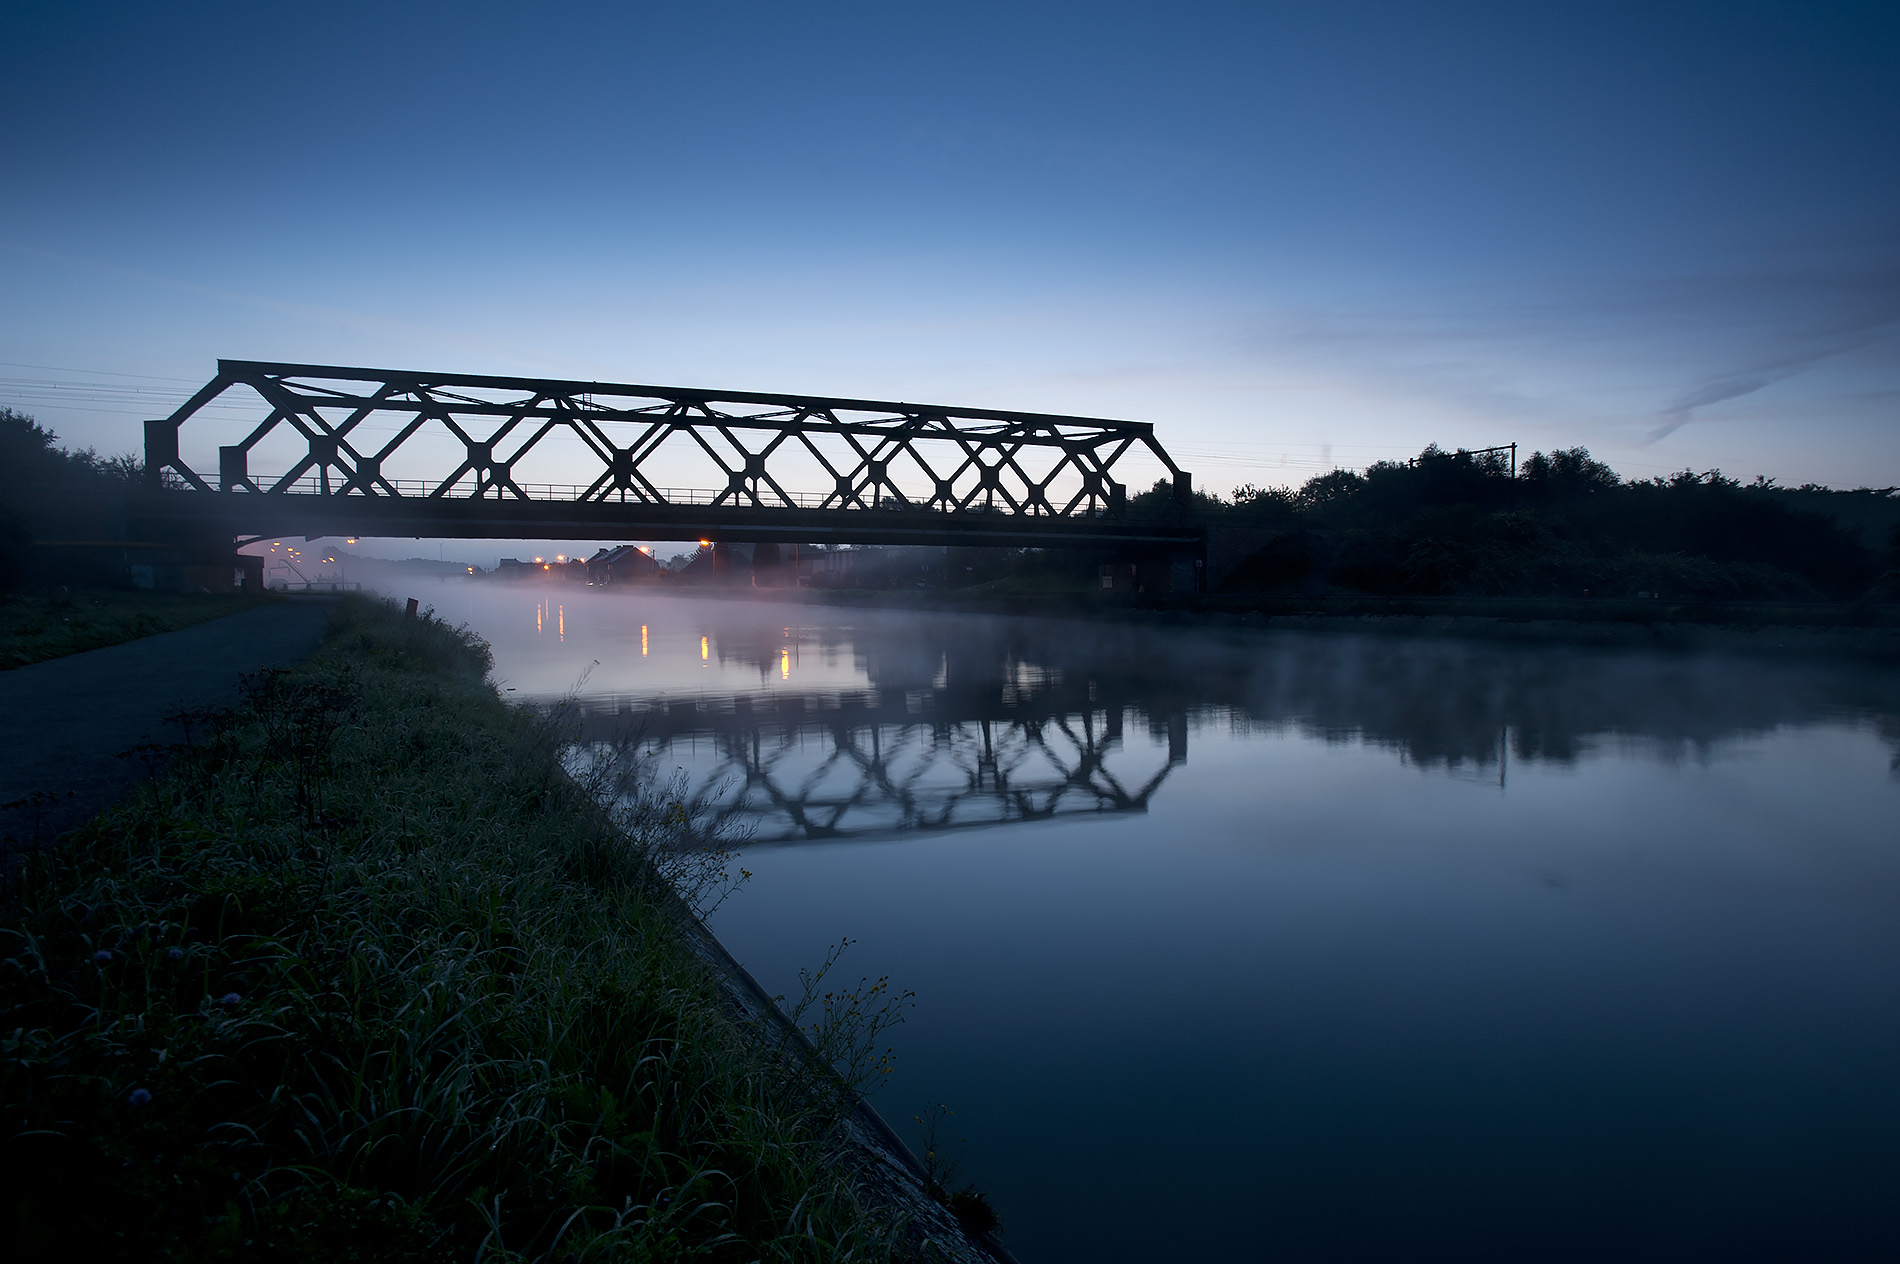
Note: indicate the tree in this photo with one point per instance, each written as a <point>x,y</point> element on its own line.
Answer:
<point>1332,488</point>
<point>30,456</point>
<point>1565,473</point>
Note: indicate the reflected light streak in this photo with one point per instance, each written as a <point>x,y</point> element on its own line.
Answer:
<point>643,640</point>
<point>561,615</point>
<point>704,650</point>
<point>785,664</point>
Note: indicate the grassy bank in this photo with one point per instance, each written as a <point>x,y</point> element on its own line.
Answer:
<point>367,976</point>
<point>35,627</point>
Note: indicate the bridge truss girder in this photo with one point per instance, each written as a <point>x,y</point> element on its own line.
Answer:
<point>878,456</point>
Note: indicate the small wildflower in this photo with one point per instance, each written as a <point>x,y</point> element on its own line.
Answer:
<point>102,955</point>
<point>174,954</point>
<point>230,998</point>
<point>139,1096</point>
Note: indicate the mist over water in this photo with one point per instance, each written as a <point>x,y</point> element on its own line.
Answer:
<point>1245,945</point>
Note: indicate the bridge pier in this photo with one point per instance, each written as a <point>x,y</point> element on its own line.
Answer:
<point>768,566</point>
<point>1155,572</point>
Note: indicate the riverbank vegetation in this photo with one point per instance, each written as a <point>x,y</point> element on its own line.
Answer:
<point>367,975</point>
<point>1566,525</point>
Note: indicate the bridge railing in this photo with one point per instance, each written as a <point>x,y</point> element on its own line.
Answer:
<point>577,493</point>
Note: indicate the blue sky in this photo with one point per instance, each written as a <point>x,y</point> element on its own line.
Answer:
<point>1292,236</point>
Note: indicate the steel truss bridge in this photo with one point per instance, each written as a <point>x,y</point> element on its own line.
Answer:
<point>333,451</point>
<point>791,768</point>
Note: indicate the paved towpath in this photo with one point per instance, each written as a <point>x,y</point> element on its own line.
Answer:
<point>64,722</point>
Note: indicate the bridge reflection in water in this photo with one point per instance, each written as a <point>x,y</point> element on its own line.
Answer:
<point>936,722</point>
<point>801,767</point>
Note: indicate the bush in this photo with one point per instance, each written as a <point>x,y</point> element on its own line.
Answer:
<point>16,541</point>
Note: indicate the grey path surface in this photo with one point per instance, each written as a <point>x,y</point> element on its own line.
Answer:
<point>64,723</point>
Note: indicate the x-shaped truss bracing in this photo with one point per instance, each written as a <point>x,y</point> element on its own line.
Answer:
<point>341,431</point>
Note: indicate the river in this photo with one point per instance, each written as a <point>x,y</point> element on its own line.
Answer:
<point>1238,945</point>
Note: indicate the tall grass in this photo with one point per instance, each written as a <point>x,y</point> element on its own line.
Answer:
<point>366,975</point>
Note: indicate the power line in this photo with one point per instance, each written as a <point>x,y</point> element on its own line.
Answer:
<point>54,368</point>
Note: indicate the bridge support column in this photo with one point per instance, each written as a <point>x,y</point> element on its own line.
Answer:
<point>767,566</point>
<point>233,471</point>
<point>161,449</point>
<point>1154,572</point>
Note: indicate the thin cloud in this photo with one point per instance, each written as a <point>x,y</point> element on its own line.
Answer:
<point>1838,341</point>
<point>1681,412</point>
<point>1566,356</point>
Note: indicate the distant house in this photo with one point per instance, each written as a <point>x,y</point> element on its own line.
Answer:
<point>623,565</point>
<point>556,569</point>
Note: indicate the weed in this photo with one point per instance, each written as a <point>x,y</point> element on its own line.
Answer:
<point>968,1204</point>
<point>38,802</point>
<point>849,1022</point>
<point>972,1207</point>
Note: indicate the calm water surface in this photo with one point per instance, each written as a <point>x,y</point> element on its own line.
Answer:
<point>1235,946</point>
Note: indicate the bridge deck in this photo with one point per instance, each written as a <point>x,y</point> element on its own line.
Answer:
<point>169,514</point>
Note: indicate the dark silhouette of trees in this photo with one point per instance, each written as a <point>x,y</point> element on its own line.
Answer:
<point>31,458</point>
<point>1564,474</point>
<point>1458,523</point>
<point>41,482</point>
